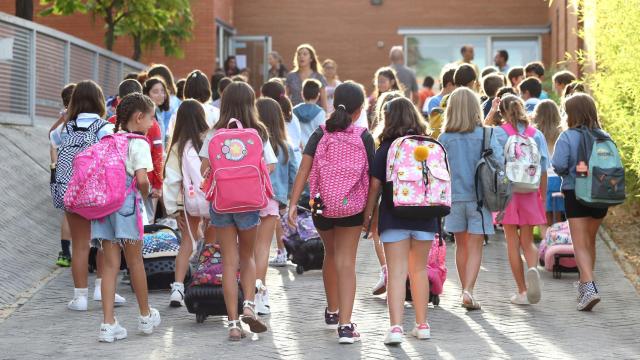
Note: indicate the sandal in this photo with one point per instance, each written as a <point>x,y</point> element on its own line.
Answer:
<point>473,304</point>
<point>255,324</point>
<point>235,325</point>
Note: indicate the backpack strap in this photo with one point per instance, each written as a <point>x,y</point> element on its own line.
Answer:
<point>508,128</point>
<point>236,121</point>
<point>530,131</point>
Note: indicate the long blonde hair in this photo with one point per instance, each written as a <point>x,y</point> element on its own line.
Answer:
<point>463,112</point>
<point>512,110</point>
<point>546,117</point>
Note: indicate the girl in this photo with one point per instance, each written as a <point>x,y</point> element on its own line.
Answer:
<point>231,67</point>
<point>276,91</point>
<point>121,230</point>
<point>237,232</point>
<point>282,181</point>
<point>584,221</point>
<point>330,71</point>
<point>546,117</point>
<point>462,137</point>
<point>525,210</point>
<point>163,71</point>
<point>156,89</point>
<point>305,65</point>
<point>190,130</point>
<point>86,111</point>
<point>339,235</point>
<point>384,80</point>
<point>406,241</point>
<point>380,287</point>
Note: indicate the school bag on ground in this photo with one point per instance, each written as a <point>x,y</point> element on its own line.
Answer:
<point>522,158</point>
<point>493,188</point>
<point>77,140</point>
<point>303,244</point>
<point>98,186</point>
<point>418,178</point>
<point>340,172</point>
<point>238,180</point>
<point>599,173</point>
<point>555,251</point>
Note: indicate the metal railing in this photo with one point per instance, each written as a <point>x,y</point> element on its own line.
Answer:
<point>37,61</point>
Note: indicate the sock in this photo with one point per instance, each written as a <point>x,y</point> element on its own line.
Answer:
<point>345,325</point>
<point>98,282</point>
<point>332,312</point>
<point>179,284</point>
<point>80,292</point>
<point>64,245</point>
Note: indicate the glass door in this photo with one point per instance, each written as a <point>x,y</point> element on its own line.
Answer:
<point>252,54</point>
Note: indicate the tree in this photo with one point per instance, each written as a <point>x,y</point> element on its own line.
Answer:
<point>147,22</point>
<point>24,9</point>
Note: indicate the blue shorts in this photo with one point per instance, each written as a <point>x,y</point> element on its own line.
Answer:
<point>121,225</point>
<point>242,221</point>
<point>395,235</point>
<point>553,186</point>
<point>464,217</point>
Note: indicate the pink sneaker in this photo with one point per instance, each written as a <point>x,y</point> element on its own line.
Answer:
<point>422,331</point>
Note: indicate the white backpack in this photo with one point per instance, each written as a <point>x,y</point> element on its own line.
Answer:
<point>195,202</point>
<point>522,158</point>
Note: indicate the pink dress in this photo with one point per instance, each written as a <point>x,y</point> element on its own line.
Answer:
<point>525,209</point>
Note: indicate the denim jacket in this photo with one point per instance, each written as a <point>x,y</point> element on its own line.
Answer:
<point>283,176</point>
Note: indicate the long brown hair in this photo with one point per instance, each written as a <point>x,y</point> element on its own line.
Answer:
<point>377,125</point>
<point>402,118</point>
<point>391,75</point>
<point>275,90</point>
<point>314,58</point>
<point>271,115</point>
<point>239,102</point>
<point>150,83</point>
<point>581,111</point>
<point>546,117</point>
<point>512,110</point>
<point>87,97</point>
<point>191,125</point>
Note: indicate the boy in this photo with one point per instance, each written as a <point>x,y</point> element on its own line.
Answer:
<point>490,84</point>
<point>561,79</point>
<point>536,69</point>
<point>466,76</point>
<point>426,91</point>
<point>516,75</point>
<point>309,113</point>
<point>448,86</point>
<point>530,90</point>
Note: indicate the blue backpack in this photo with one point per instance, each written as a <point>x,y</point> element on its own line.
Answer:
<point>599,171</point>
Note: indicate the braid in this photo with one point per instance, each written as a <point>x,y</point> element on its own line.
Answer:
<point>130,104</point>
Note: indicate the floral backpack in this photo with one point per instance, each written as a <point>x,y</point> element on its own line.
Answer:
<point>418,178</point>
<point>209,268</point>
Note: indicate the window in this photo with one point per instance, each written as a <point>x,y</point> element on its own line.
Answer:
<point>224,33</point>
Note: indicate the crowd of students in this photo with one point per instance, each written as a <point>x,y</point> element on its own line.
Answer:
<point>170,125</point>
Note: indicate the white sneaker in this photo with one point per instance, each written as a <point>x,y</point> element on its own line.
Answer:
<point>394,336</point>
<point>381,286</point>
<point>520,299</point>
<point>79,303</point>
<point>110,333</point>
<point>534,289</point>
<point>422,331</point>
<point>280,260</point>
<point>146,324</point>
<point>117,301</point>
<point>177,294</point>
<point>262,299</point>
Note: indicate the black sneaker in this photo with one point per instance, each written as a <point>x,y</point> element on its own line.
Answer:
<point>348,334</point>
<point>330,319</point>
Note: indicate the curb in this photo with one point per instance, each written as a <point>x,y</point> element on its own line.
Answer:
<point>628,269</point>
<point>25,296</point>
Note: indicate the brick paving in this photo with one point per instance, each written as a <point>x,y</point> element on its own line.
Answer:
<point>552,329</point>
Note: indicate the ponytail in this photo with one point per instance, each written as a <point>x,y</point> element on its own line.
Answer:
<point>512,109</point>
<point>347,100</point>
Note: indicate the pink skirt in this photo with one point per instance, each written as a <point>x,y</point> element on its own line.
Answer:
<point>525,209</point>
<point>272,209</point>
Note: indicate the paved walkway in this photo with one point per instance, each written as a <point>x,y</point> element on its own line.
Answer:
<point>553,329</point>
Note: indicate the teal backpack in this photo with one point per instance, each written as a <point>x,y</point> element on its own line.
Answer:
<point>599,171</point>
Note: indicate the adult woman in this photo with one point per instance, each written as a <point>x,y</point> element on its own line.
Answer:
<point>276,68</point>
<point>231,66</point>
<point>330,71</point>
<point>305,65</point>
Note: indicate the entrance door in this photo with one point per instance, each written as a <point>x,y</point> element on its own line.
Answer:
<point>252,53</point>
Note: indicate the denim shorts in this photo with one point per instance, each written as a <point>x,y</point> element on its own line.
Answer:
<point>395,235</point>
<point>122,225</point>
<point>464,217</point>
<point>242,221</point>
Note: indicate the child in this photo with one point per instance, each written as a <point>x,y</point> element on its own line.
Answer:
<point>406,241</point>
<point>222,84</point>
<point>64,256</point>
<point>155,89</point>
<point>446,87</point>
<point>465,75</point>
<point>275,90</point>
<point>426,91</point>
<point>546,117</point>
<point>341,232</point>
<point>536,69</point>
<point>530,90</point>
<point>385,79</point>
<point>515,76</point>
<point>84,116</point>
<point>584,221</point>
<point>525,209</point>
<point>121,229</point>
<point>309,113</point>
<point>180,89</point>
<point>237,232</point>
<point>561,79</point>
<point>490,85</point>
<point>282,181</point>
<point>190,129</point>
<point>163,71</point>
<point>462,137</point>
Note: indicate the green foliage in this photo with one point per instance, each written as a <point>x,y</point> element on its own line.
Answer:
<point>147,22</point>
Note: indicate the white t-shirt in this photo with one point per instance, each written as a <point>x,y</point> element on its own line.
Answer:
<point>295,133</point>
<point>139,156</point>
<point>267,150</point>
<point>362,119</point>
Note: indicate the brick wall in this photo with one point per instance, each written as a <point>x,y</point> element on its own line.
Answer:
<point>564,28</point>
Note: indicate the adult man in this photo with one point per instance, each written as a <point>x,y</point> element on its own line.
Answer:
<point>406,76</point>
<point>500,60</point>
<point>468,55</point>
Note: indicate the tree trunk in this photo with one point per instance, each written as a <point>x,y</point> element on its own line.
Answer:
<point>24,9</point>
<point>137,47</point>
<point>109,37</point>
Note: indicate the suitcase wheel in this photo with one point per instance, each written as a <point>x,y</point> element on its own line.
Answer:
<point>299,269</point>
<point>201,317</point>
<point>436,300</point>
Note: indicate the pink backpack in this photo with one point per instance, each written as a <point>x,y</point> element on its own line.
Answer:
<point>418,172</point>
<point>238,179</point>
<point>195,202</point>
<point>98,184</point>
<point>340,172</point>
